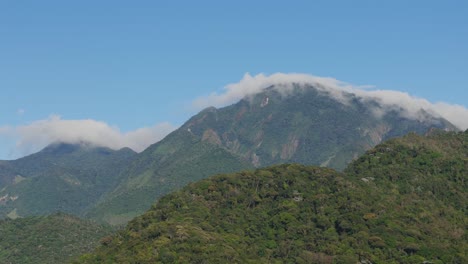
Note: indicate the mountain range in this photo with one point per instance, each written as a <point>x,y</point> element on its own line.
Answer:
<point>348,188</point>
<point>304,125</point>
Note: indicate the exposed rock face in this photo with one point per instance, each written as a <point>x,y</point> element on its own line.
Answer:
<point>211,136</point>
<point>289,149</point>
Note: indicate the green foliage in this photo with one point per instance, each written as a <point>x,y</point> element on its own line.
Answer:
<point>303,126</point>
<point>160,169</point>
<point>385,208</point>
<point>62,177</point>
<point>53,239</point>
<point>433,167</point>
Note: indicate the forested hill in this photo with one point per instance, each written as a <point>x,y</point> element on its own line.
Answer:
<point>49,239</point>
<point>402,202</point>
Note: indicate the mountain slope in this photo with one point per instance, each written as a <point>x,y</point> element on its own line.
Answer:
<point>61,177</point>
<point>304,125</point>
<point>402,202</point>
<point>48,239</point>
<point>170,164</point>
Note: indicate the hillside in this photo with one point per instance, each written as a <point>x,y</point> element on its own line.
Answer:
<point>404,201</point>
<point>48,239</point>
<point>304,125</point>
<point>62,177</point>
<point>164,167</point>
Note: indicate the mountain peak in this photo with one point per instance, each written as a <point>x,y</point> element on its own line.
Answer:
<point>307,123</point>
<point>287,84</point>
<point>209,109</point>
<point>64,147</point>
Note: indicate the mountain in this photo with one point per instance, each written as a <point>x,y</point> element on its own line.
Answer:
<point>164,167</point>
<point>404,201</point>
<point>56,238</point>
<point>62,177</point>
<point>302,125</point>
<point>305,125</point>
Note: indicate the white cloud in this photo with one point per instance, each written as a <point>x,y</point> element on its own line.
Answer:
<point>38,134</point>
<point>20,111</point>
<point>389,99</point>
<point>250,85</point>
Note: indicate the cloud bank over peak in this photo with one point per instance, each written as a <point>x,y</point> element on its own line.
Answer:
<point>38,134</point>
<point>250,85</point>
<point>409,106</point>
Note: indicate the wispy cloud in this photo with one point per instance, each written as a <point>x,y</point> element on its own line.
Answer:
<point>5,130</point>
<point>20,111</point>
<point>389,99</point>
<point>38,134</point>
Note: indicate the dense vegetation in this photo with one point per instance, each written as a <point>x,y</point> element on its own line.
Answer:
<point>303,126</point>
<point>162,168</point>
<point>404,201</point>
<point>53,239</point>
<point>62,177</point>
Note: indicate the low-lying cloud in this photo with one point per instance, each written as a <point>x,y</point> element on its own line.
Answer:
<point>38,134</point>
<point>389,99</point>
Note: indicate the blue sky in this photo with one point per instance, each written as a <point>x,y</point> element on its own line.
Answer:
<point>135,64</point>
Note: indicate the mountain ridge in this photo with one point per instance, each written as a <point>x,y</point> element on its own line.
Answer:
<point>62,177</point>
<point>404,201</point>
<point>302,124</point>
